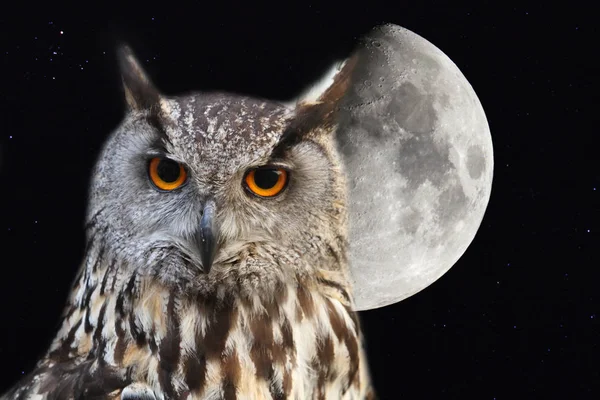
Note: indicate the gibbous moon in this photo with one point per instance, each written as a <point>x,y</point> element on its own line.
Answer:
<point>418,152</point>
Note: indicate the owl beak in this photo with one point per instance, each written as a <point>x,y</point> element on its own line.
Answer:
<point>206,236</point>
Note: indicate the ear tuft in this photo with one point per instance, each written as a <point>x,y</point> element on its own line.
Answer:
<point>332,85</point>
<point>319,106</point>
<point>341,82</point>
<point>140,93</point>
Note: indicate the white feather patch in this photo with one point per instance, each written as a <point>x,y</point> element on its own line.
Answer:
<point>316,90</point>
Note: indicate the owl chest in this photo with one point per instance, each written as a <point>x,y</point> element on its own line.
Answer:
<point>300,345</point>
<point>305,348</point>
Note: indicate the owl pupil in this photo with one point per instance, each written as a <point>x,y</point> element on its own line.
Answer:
<point>168,170</point>
<point>266,178</point>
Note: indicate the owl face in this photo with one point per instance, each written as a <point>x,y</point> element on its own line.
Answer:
<point>204,177</point>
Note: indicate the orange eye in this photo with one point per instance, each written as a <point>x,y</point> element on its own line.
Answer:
<point>166,174</point>
<point>266,181</point>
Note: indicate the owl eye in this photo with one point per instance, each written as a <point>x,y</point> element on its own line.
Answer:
<point>266,181</point>
<point>166,174</point>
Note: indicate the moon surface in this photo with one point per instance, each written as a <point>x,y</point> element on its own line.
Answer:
<point>418,153</point>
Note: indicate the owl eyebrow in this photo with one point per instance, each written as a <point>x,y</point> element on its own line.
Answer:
<point>158,147</point>
<point>307,119</point>
<point>287,140</point>
<point>159,144</point>
<point>154,120</point>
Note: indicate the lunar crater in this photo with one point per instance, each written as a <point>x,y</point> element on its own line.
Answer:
<point>412,109</point>
<point>475,162</point>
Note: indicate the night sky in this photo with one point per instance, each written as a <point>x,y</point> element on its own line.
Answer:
<point>517,317</point>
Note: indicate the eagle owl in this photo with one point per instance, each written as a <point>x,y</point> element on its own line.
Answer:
<point>216,260</point>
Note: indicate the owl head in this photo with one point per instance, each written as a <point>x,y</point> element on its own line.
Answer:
<point>208,185</point>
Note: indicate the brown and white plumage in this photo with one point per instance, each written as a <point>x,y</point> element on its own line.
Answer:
<point>271,319</point>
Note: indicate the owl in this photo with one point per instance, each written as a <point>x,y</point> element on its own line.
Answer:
<point>216,262</point>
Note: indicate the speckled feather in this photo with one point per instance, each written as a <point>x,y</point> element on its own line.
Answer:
<point>273,319</point>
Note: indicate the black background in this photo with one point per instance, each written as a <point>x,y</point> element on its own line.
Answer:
<point>517,317</point>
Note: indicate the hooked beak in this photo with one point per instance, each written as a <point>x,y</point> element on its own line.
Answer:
<point>206,237</point>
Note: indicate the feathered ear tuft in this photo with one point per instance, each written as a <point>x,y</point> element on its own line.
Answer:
<point>319,105</point>
<point>332,85</point>
<point>340,82</point>
<point>140,93</point>
<point>323,100</point>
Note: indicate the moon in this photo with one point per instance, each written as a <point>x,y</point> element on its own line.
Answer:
<point>418,153</point>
